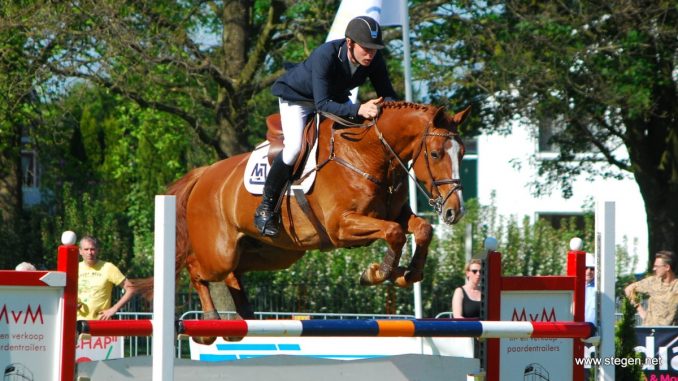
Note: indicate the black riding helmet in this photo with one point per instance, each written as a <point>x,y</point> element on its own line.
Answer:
<point>366,32</point>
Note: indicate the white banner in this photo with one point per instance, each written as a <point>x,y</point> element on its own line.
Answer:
<point>386,13</point>
<point>337,348</point>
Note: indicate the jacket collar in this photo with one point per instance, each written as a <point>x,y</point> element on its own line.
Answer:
<point>342,55</point>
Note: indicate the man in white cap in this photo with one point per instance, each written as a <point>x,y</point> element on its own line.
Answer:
<point>590,290</point>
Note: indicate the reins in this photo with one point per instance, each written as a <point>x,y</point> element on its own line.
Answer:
<point>435,203</point>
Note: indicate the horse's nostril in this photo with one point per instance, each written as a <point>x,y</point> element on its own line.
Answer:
<point>449,215</point>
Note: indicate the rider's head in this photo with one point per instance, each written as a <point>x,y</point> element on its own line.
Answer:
<point>366,32</point>
<point>363,38</point>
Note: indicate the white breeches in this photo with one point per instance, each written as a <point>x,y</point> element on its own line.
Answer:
<point>292,117</point>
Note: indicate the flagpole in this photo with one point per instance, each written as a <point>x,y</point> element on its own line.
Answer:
<point>407,63</point>
<point>407,71</point>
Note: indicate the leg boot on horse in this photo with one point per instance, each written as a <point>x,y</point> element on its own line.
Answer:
<point>267,215</point>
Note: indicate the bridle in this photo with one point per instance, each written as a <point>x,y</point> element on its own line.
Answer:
<point>438,201</point>
<point>435,199</point>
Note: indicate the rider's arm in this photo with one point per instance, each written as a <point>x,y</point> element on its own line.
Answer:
<point>324,74</point>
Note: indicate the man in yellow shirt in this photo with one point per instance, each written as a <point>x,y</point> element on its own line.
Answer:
<point>96,279</point>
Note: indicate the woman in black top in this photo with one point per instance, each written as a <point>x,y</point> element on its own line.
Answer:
<point>467,298</point>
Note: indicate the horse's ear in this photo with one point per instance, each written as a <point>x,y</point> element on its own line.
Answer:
<point>440,113</point>
<point>461,116</point>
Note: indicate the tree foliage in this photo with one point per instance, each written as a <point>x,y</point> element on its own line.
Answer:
<point>207,64</point>
<point>600,75</point>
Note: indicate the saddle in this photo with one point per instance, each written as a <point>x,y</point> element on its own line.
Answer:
<point>274,135</point>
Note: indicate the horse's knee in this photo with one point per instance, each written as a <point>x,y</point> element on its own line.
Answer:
<point>424,235</point>
<point>395,236</point>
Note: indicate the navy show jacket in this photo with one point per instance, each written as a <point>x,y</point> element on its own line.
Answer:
<point>325,79</point>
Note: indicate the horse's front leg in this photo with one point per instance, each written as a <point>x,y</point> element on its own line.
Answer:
<point>423,233</point>
<point>356,229</point>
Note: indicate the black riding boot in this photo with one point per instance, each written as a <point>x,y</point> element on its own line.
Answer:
<point>266,217</point>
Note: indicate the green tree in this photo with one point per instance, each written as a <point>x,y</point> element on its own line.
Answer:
<point>208,64</point>
<point>625,341</point>
<point>19,101</point>
<point>600,76</point>
<point>103,161</point>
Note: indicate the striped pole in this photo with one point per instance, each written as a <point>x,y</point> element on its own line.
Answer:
<point>338,328</point>
<point>386,328</point>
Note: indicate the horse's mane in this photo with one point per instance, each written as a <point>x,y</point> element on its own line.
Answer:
<point>404,104</point>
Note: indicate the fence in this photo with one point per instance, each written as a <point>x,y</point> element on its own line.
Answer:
<point>141,346</point>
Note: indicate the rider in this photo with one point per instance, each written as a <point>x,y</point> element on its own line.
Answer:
<point>323,83</point>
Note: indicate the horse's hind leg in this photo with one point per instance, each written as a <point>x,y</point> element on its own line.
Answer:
<point>203,290</point>
<point>242,305</point>
<point>239,295</point>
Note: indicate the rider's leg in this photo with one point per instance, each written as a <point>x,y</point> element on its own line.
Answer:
<point>292,117</point>
<point>266,217</point>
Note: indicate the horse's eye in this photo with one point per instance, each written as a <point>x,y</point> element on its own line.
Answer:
<point>435,154</point>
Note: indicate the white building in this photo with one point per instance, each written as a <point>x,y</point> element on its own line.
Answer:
<point>506,166</point>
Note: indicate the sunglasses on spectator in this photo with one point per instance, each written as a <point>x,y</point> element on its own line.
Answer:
<point>475,271</point>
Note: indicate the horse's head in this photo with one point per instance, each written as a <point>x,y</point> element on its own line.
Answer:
<point>437,163</point>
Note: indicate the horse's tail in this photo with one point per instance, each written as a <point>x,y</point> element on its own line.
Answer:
<point>181,189</point>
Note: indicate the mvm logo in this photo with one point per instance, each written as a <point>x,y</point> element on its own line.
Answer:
<point>259,172</point>
<point>544,315</point>
<point>21,316</point>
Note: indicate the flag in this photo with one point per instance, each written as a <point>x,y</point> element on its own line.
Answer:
<point>386,13</point>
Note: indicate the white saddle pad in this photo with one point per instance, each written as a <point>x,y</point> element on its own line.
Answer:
<point>257,169</point>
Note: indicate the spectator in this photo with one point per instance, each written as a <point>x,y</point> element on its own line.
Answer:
<point>467,298</point>
<point>662,289</point>
<point>25,266</point>
<point>96,279</point>
<point>590,290</point>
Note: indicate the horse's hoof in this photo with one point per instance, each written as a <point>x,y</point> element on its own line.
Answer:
<point>233,338</point>
<point>414,276</point>
<point>372,276</point>
<point>204,340</point>
<point>399,277</point>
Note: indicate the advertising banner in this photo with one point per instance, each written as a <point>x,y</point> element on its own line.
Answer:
<point>661,343</point>
<point>536,359</point>
<point>337,348</point>
<point>30,333</point>
<point>100,348</point>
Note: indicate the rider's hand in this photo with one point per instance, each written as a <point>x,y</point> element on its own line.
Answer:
<point>370,109</point>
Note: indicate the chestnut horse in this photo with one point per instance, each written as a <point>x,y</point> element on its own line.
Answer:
<point>360,195</point>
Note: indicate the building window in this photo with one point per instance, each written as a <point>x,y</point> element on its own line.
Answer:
<point>471,146</point>
<point>29,169</point>
<point>546,132</point>
<point>557,220</point>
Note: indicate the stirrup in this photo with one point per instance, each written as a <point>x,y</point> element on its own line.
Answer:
<point>267,222</point>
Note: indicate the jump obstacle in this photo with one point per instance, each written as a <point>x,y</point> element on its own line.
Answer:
<point>339,327</point>
<point>164,329</point>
